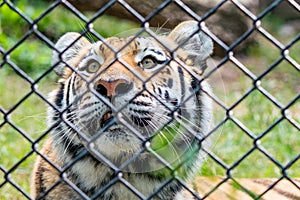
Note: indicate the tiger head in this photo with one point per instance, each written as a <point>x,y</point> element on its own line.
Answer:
<point>118,94</point>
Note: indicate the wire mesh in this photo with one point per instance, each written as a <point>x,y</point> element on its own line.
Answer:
<point>256,87</point>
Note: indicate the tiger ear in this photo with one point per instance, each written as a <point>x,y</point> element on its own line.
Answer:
<point>194,42</point>
<point>70,49</point>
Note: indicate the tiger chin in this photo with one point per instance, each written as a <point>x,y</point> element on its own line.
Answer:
<point>129,117</point>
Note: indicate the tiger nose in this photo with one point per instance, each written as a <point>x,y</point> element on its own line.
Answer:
<point>113,88</point>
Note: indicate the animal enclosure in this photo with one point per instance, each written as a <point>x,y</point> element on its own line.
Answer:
<point>255,80</point>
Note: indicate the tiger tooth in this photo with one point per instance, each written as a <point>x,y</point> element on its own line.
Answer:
<point>106,116</point>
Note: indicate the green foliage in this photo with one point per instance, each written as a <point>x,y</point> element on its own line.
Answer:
<point>164,144</point>
<point>165,136</point>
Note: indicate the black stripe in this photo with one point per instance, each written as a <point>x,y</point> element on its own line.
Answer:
<point>40,183</point>
<point>169,191</point>
<point>182,83</point>
<point>87,105</point>
<point>59,96</point>
<point>141,103</point>
<point>170,83</point>
<point>68,93</point>
<point>155,59</point>
<point>140,121</point>
<point>69,89</point>
<point>58,100</point>
<point>90,53</point>
<point>195,82</point>
<point>143,112</point>
<point>135,45</point>
<point>73,86</point>
<point>168,71</point>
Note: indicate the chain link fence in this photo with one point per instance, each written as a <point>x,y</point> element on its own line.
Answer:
<point>236,113</point>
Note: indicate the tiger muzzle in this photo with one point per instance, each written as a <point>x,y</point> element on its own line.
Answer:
<point>113,88</point>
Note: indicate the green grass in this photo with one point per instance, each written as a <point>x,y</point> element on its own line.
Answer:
<point>32,55</point>
<point>257,113</point>
<point>230,144</point>
<point>30,118</point>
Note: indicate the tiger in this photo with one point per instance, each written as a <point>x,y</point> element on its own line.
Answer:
<point>129,118</point>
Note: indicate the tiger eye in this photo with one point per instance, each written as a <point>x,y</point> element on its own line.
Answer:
<point>93,67</point>
<point>148,63</point>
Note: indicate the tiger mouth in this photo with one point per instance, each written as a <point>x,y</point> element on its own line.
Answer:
<point>107,119</point>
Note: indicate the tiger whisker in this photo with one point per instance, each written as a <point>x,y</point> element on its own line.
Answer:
<point>173,125</point>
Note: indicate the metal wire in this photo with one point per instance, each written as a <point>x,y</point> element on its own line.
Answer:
<point>230,57</point>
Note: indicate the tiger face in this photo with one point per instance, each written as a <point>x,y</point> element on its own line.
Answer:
<point>120,94</point>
